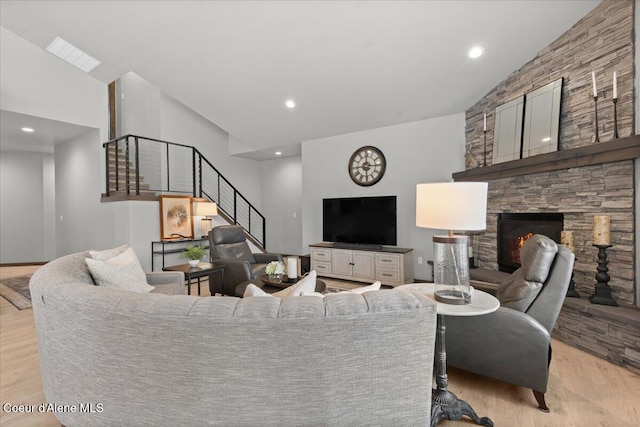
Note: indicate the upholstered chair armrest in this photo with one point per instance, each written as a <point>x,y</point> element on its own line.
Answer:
<point>508,345</point>
<point>174,278</point>
<point>264,258</point>
<point>235,272</point>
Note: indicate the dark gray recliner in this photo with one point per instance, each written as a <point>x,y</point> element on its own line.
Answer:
<point>228,246</point>
<point>514,345</point>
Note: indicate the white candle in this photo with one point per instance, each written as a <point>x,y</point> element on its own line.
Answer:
<point>484,128</point>
<point>470,252</point>
<point>292,268</point>
<point>601,230</point>
<point>615,86</point>
<point>593,78</point>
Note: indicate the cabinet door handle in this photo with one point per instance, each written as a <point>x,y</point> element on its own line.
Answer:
<point>386,275</point>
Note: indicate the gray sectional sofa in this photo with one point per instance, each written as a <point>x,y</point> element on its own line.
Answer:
<point>169,360</point>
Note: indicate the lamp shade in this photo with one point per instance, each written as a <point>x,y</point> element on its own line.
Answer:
<point>206,209</point>
<point>452,205</point>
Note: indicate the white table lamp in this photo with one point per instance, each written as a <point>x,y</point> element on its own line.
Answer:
<point>207,210</point>
<point>451,206</point>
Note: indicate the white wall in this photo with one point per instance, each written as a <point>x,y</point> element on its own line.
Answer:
<point>26,207</point>
<point>282,204</point>
<point>83,222</point>
<point>36,83</point>
<point>149,112</point>
<point>417,152</point>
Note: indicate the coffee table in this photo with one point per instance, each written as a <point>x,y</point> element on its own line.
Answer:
<point>445,404</point>
<point>197,272</point>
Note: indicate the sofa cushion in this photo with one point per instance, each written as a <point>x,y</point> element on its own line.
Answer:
<point>523,286</point>
<point>122,272</point>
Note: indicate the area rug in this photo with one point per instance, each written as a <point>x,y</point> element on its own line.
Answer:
<point>16,291</point>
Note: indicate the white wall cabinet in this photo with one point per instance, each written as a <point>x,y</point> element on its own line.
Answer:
<point>391,266</point>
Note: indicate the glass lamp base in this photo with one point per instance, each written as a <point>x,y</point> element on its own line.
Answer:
<point>452,297</point>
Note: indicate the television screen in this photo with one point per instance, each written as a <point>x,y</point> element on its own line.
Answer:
<point>360,220</point>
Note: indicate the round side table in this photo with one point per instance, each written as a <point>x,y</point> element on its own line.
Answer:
<point>444,404</point>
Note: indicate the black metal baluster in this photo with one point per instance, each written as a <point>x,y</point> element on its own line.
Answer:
<point>137,166</point>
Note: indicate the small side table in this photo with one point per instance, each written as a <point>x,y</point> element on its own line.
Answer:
<point>201,270</point>
<point>445,404</point>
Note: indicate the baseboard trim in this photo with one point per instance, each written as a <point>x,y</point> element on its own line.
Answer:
<point>22,264</point>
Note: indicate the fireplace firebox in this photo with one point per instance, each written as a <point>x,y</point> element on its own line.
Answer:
<point>515,228</point>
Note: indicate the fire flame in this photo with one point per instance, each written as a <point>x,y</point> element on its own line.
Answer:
<point>521,241</point>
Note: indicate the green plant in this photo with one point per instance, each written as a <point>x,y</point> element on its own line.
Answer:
<point>193,252</point>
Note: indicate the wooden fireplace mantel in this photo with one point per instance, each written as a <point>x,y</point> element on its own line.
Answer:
<point>604,152</point>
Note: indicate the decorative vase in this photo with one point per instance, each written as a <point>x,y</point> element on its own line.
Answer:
<point>275,277</point>
<point>194,262</point>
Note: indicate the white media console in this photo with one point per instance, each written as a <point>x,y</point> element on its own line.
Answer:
<point>390,265</point>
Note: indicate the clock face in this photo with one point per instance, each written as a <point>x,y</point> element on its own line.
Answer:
<point>367,166</point>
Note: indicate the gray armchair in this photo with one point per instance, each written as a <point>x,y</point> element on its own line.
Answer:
<point>514,344</point>
<point>228,246</point>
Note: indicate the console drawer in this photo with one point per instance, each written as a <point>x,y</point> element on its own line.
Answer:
<point>387,261</point>
<point>388,276</point>
<point>321,254</point>
<point>321,267</point>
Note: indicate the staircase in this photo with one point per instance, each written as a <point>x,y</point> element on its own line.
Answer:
<point>122,185</point>
<point>139,168</point>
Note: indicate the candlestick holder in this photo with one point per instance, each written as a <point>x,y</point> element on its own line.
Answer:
<point>615,118</point>
<point>595,103</point>
<point>602,294</point>
<point>484,152</point>
<point>571,292</point>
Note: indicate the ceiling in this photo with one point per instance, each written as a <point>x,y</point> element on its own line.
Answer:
<point>47,133</point>
<point>349,65</point>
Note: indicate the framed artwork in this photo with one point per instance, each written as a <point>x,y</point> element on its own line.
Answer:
<point>176,221</point>
<point>542,120</point>
<point>507,136</point>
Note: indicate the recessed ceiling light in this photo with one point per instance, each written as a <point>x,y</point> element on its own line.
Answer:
<point>290,103</point>
<point>29,130</point>
<point>74,56</point>
<point>475,52</point>
<point>278,153</point>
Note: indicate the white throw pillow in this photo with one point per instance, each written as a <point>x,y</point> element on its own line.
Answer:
<point>361,290</point>
<point>122,272</point>
<point>307,283</point>
<point>375,286</point>
<point>253,291</point>
<point>108,253</point>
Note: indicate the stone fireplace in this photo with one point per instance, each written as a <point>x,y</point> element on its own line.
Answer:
<point>515,228</point>
<point>584,178</point>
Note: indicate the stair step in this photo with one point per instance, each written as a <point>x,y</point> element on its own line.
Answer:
<point>143,187</point>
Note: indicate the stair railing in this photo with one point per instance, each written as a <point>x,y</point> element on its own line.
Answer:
<point>136,164</point>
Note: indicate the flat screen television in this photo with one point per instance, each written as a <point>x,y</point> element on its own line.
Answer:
<point>360,220</point>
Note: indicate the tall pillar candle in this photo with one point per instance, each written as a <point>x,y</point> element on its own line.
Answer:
<point>568,240</point>
<point>292,267</point>
<point>601,230</point>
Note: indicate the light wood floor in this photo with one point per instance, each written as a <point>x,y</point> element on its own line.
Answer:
<point>583,389</point>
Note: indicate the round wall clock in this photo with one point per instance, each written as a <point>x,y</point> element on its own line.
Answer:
<point>367,166</point>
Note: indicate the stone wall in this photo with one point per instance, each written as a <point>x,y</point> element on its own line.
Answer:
<point>602,41</point>
<point>579,193</point>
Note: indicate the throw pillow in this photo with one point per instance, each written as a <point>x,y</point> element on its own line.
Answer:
<point>306,284</point>
<point>108,253</point>
<point>122,272</point>
<point>361,290</point>
<point>253,291</point>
